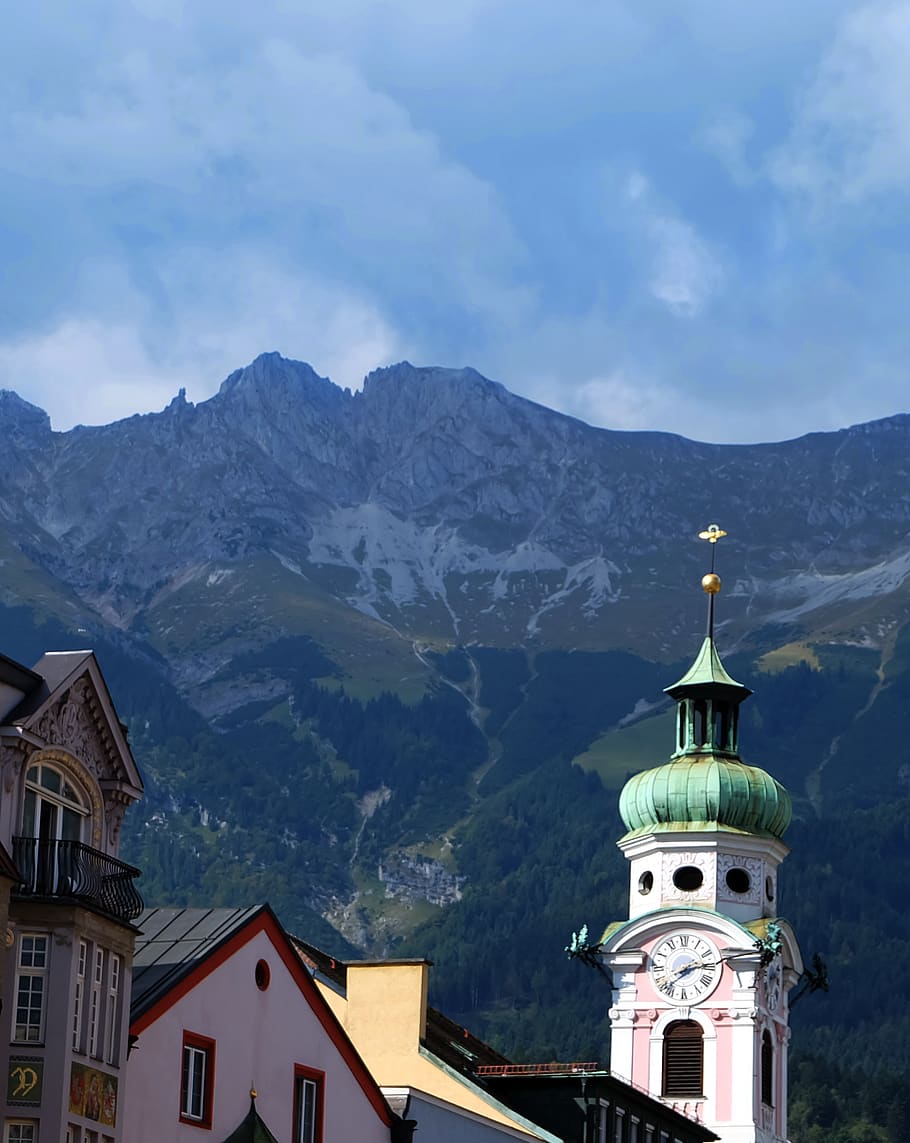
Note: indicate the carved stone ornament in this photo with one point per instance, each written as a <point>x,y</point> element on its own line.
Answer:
<point>752,866</point>
<point>701,861</point>
<point>11,762</point>
<point>114,814</point>
<point>69,724</point>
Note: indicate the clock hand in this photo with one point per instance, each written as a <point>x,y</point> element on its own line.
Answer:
<point>690,965</point>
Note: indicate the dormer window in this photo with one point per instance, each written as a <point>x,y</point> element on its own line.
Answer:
<point>54,808</point>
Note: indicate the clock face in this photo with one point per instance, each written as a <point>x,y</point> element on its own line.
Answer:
<point>685,967</point>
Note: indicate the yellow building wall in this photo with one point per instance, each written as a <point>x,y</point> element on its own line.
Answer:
<point>385,1014</point>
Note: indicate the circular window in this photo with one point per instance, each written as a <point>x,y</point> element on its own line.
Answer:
<point>263,975</point>
<point>738,880</point>
<point>769,888</point>
<point>646,883</point>
<point>688,878</point>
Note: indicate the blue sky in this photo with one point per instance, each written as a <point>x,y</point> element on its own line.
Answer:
<point>677,215</point>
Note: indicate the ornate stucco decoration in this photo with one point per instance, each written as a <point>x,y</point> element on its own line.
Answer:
<point>76,724</point>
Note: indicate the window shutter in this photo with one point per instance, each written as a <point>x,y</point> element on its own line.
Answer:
<point>683,1060</point>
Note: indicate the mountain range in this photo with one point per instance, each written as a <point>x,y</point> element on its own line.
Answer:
<point>387,656</point>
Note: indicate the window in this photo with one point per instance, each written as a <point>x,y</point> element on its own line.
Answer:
<point>634,1127</point>
<point>619,1122</point>
<point>603,1120</point>
<point>94,1002</point>
<point>683,1060</point>
<point>81,963</point>
<point>767,1069</point>
<point>308,1088</point>
<point>30,988</point>
<point>197,1079</point>
<point>111,1010</point>
<point>21,1131</point>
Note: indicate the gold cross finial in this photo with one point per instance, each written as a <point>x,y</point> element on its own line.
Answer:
<point>712,534</point>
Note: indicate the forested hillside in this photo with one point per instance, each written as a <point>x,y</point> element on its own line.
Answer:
<point>387,660</point>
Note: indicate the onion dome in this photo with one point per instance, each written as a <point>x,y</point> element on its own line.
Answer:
<point>705,793</point>
<point>706,786</point>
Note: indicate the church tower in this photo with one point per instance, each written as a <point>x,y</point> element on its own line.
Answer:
<point>702,966</point>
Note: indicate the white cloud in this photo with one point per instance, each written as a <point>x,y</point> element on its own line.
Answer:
<point>91,371</point>
<point>87,372</point>
<point>726,137</point>
<point>851,134</point>
<point>686,274</point>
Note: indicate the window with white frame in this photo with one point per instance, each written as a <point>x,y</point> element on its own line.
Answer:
<point>31,988</point>
<point>94,1002</point>
<point>112,1009</point>
<point>21,1131</point>
<point>79,995</point>
<point>197,1079</point>
<point>308,1089</point>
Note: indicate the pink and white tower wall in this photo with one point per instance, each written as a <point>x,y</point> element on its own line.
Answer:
<point>703,965</point>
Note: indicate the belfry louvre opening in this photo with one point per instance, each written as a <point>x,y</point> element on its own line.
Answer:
<point>683,1060</point>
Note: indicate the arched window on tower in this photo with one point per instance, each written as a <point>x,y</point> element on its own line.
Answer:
<point>683,1060</point>
<point>767,1069</point>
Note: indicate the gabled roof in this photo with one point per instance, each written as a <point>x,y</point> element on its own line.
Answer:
<point>179,947</point>
<point>172,943</point>
<point>17,676</point>
<point>56,672</point>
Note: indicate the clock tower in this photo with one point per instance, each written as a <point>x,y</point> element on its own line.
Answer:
<point>703,964</point>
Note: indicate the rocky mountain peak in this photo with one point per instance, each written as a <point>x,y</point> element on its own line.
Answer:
<point>21,418</point>
<point>272,376</point>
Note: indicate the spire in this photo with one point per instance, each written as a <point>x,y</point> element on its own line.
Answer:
<point>707,696</point>
<point>252,1129</point>
<point>711,582</point>
<point>706,785</point>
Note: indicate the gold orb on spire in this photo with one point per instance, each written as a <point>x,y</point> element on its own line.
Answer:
<point>710,583</point>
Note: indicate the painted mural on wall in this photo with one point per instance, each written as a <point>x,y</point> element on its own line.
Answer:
<point>93,1095</point>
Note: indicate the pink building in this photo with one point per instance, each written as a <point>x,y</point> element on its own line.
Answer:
<point>223,1007</point>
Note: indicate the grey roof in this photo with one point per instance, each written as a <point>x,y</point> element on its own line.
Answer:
<point>172,942</point>
<point>16,675</point>
<point>51,670</point>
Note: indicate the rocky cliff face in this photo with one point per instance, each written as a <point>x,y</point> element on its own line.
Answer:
<point>438,502</point>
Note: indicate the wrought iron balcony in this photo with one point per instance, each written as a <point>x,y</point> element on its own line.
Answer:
<point>76,872</point>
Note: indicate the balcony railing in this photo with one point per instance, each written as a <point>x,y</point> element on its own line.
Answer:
<point>74,871</point>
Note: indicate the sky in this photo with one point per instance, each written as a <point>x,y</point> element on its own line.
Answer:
<point>680,215</point>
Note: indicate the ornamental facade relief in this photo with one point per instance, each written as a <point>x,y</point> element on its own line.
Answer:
<point>69,724</point>
<point>753,867</point>
<point>673,885</point>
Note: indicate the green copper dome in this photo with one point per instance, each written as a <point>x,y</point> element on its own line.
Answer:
<point>705,793</point>
<point>706,786</point>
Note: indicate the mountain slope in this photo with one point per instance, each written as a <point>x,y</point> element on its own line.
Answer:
<point>360,640</point>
